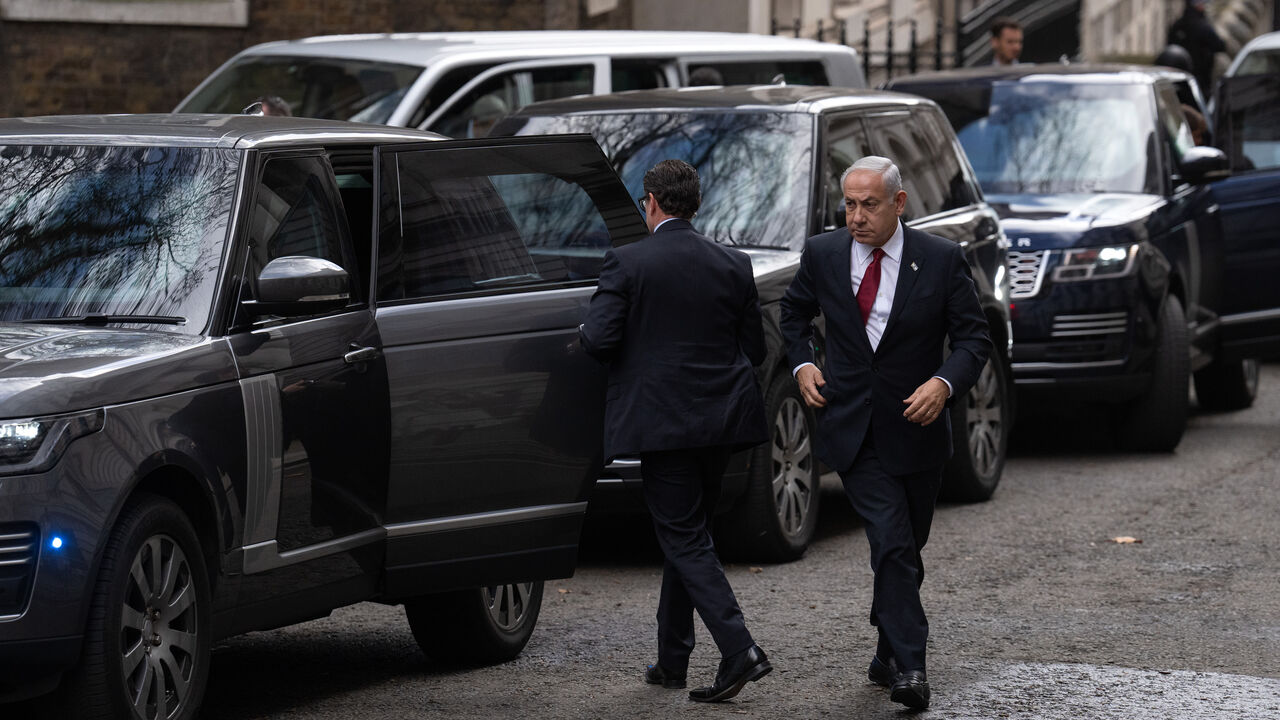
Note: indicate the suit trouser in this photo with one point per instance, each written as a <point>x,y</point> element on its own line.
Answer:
<point>897,511</point>
<point>681,488</point>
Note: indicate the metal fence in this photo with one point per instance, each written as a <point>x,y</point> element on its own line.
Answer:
<point>882,64</point>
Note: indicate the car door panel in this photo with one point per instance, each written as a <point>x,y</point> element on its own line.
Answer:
<point>1247,127</point>
<point>496,414</point>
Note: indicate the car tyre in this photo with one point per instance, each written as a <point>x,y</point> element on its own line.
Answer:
<point>980,426</point>
<point>1156,420</point>
<point>776,519</point>
<point>148,638</point>
<point>1227,385</point>
<point>476,626</point>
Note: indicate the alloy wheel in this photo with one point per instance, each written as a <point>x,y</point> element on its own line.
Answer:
<point>158,630</point>
<point>508,604</point>
<point>985,418</point>
<point>792,466</point>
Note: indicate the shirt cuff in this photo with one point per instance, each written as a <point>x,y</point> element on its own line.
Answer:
<point>950,390</point>
<point>796,369</point>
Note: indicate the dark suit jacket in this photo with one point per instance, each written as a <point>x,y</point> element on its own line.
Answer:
<point>677,318</point>
<point>865,390</point>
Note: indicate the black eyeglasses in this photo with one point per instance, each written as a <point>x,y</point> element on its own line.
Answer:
<point>642,200</point>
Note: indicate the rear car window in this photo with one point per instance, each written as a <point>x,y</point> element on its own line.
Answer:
<point>757,72</point>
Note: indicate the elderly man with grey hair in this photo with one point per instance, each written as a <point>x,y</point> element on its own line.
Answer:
<point>891,295</point>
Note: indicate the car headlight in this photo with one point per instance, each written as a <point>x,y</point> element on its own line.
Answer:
<point>1096,263</point>
<point>34,444</point>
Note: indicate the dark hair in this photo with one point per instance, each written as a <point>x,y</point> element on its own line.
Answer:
<point>675,184</point>
<point>1004,21</point>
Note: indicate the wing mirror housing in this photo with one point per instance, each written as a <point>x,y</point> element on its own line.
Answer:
<point>293,286</point>
<point>1204,164</point>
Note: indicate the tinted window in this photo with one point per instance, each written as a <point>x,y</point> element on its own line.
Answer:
<point>636,75</point>
<point>899,138</point>
<point>754,168</point>
<point>295,212</point>
<point>455,228</point>
<point>1249,121</point>
<point>114,230</point>
<point>845,142</point>
<point>757,72</point>
<point>1062,137</point>
<point>1177,132</point>
<point>948,168</point>
<point>1260,62</point>
<point>314,87</point>
<point>472,115</point>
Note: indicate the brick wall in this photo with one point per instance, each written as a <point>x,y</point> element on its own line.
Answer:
<point>57,67</point>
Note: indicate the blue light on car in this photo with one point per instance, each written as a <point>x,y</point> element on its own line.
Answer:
<point>55,542</point>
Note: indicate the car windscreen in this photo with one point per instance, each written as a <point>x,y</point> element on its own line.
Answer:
<point>327,88</point>
<point>754,167</point>
<point>1058,137</point>
<point>113,231</point>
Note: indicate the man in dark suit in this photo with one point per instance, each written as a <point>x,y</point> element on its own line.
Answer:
<point>890,295</point>
<point>677,319</point>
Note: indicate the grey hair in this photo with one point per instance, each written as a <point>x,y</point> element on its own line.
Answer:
<point>880,165</point>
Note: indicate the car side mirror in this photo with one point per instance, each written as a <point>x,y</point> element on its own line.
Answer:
<point>294,285</point>
<point>1204,164</point>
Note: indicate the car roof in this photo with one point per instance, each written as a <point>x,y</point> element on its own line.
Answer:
<point>788,98</point>
<point>1081,72</point>
<point>225,131</point>
<point>426,48</point>
<point>1265,41</point>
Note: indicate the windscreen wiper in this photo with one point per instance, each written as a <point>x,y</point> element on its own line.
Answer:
<point>107,319</point>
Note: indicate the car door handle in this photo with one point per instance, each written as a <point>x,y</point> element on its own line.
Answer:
<point>360,354</point>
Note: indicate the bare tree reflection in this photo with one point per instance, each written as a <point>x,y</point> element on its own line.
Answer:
<point>118,230</point>
<point>1063,138</point>
<point>749,164</point>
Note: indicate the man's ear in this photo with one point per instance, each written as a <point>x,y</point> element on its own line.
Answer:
<point>900,201</point>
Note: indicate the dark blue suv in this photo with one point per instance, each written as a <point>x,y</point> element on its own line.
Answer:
<point>1136,262</point>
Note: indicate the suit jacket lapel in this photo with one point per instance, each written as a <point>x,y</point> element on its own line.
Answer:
<point>908,271</point>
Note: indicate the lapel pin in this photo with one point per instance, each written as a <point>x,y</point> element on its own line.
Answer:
<point>914,267</point>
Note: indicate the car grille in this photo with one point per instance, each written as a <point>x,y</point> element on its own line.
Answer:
<point>1079,338</point>
<point>18,544</point>
<point>1026,272</point>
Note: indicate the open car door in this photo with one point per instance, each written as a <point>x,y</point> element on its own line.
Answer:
<point>1247,128</point>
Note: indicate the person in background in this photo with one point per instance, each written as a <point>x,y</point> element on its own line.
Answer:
<point>1194,32</point>
<point>1006,41</point>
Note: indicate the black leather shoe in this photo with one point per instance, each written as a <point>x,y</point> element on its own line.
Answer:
<point>658,675</point>
<point>747,666</point>
<point>882,673</point>
<point>911,689</point>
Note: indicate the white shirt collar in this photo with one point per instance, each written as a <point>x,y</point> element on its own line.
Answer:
<point>664,222</point>
<point>893,248</point>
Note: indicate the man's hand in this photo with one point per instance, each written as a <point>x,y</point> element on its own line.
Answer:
<point>927,403</point>
<point>810,379</point>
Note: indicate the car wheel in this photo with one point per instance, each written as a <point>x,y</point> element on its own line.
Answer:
<point>1227,385</point>
<point>476,626</point>
<point>147,641</point>
<point>778,514</point>
<point>1156,420</point>
<point>980,435</point>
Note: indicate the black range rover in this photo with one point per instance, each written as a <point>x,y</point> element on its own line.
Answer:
<point>1131,268</point>
<point>253,369</point>
<point>770,160</point>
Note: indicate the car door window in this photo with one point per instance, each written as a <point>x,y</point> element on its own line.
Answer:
<point>487,221</point>
<point>1177,132</point>
<point>756,72</point>
<point>474,113</point>
<point>844,143</point>
<point>296,211</point>
<point>900,139</point>
<point>1248,122</point>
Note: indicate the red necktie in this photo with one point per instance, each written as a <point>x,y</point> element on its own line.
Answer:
<point>870,285</point>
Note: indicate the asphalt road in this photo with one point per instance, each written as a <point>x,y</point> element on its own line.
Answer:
<point>1035,611</point>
